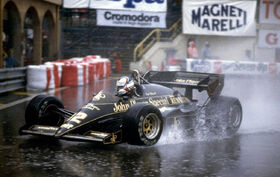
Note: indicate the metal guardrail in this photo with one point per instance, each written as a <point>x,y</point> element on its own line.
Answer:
<point>12,79</point>
<point>155,36</point>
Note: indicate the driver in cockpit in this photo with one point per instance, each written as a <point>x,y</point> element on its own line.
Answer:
<point>125,86</point>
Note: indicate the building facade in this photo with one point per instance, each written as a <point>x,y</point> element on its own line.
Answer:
<point>30,30</point>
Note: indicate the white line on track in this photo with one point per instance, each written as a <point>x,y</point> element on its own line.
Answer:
<point>5,106</point>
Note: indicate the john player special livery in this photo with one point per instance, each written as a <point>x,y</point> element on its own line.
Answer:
<point>157,100</point>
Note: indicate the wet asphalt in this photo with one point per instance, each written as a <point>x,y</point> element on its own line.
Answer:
<point>253,151</point>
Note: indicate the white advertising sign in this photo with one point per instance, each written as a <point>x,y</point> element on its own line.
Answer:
<point>270,11</point>
<point>269,39</point>
<point>75,3</point>
<point>219,17</point>
<point>132,5</point>
<point>131,19</point>
<point>233,67</point>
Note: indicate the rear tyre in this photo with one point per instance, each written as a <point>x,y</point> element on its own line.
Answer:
<point>143,125</point>
<point>41,110</point>
<point>226,113</point>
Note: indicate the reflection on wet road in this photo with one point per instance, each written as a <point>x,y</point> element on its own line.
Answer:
<point>248,153</point>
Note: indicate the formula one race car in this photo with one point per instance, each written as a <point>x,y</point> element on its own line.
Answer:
<point>160,99</point>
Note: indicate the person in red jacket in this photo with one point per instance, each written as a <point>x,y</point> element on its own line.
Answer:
<point>192,51</point>
<point>116,62</point>
<point>118,65</point>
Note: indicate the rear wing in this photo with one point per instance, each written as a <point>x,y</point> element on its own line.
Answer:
<point>212,83</point>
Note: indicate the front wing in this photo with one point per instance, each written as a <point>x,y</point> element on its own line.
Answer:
<point>101,137</point>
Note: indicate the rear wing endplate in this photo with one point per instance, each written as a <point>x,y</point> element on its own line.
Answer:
<point>212,83</point>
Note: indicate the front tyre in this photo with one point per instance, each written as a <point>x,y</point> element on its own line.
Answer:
<point>41,110</point>
<point>143,125</point>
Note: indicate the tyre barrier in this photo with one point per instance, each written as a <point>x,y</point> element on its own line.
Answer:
<point>74,74</point>
<point>71,72</point>
<point>42,77</point>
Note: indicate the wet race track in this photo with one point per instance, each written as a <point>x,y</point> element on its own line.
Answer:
<point>253,151</point>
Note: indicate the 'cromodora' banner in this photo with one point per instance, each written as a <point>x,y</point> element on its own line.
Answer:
<point>219,17</point>
<point>131,19</point>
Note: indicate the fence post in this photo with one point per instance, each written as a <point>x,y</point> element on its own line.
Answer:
<point>140,51</point>
<point>158,35</point>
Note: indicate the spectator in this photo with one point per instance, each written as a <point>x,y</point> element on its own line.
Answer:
<point>205,52</point>
<point>116,62</point>
<point>192,51</point>
<point>10,60</point>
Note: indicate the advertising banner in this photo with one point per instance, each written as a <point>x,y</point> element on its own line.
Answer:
<point>75,4</point>
<point>269,39</point>
<point>219,17</point>
<point>270,11</point>
<point>132,5</point>
<point>131,19</point>
<point>233,67</point>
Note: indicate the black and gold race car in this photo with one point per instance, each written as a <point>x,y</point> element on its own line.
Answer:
<point>161,99</point>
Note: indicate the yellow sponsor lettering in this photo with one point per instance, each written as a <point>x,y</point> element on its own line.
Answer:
<point>99,96</point>
<point>188,81</point>
<point>132,102</point>
<point>180,80</point>
<point>151,93</point>
<point>67,126</point>
<point>120,107</point>
<point>178,100</point>
<point>79,117</point>
<point>91,107</point>
<point>159,102</point>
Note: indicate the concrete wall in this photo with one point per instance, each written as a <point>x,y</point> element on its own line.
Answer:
<point>157,53</point>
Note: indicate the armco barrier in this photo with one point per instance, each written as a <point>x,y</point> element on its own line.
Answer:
<point>12,79</point>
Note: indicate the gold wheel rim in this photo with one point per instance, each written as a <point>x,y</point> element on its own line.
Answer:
<point>151,125</point>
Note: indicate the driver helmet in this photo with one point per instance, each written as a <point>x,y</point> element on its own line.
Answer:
<point>125,86</point>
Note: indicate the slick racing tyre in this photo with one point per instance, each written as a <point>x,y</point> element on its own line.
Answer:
<point>226,113</point>
<point>40,111</point>
<point>143,125</point>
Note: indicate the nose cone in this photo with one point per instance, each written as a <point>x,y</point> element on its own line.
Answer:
<point>64,128</point>
<point>60,132</point>
<point>75,121</point>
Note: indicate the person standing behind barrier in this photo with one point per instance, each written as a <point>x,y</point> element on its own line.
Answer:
<point>192,51</point>
<point>10,60</point>
<point>205,52</point>
<point>116,62</point>
<point>118,65</point>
